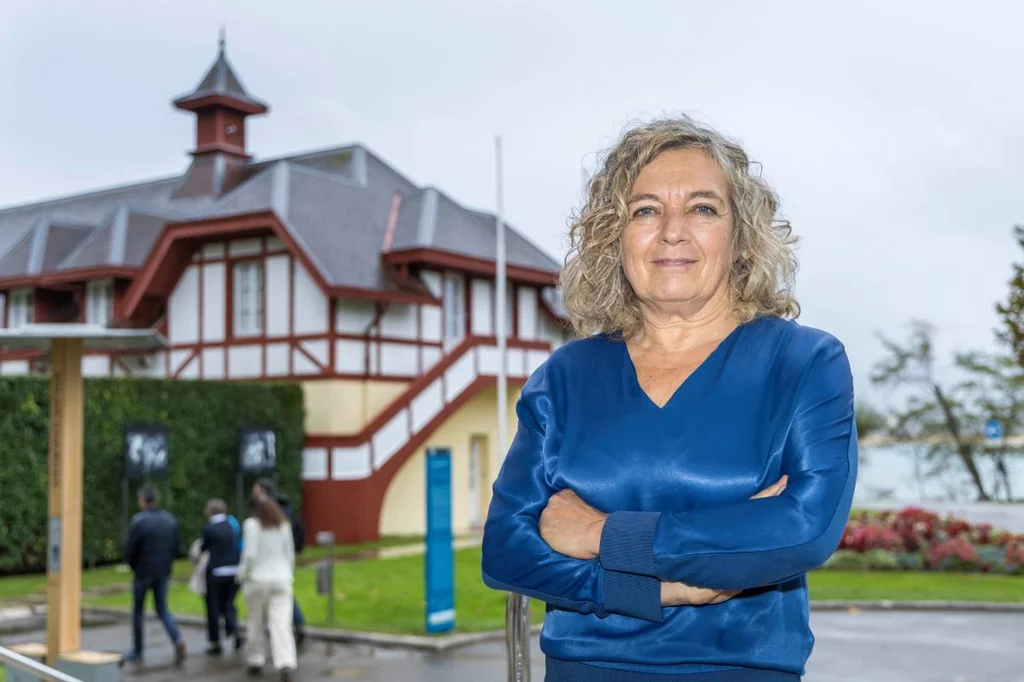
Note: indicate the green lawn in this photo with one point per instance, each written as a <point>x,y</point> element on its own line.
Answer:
<point>387,595</point>
<point>383,595</point>
<point>21,586</point>
<point>908,585</point>
<point>313,553</point>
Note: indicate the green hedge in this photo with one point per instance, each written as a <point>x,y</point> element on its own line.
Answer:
<point>203,418</point>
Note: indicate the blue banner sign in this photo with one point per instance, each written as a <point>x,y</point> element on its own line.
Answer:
<point>993,433</point>
<point>439,563</point>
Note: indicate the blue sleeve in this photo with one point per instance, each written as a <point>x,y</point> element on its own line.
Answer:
<point>515,556</point>
<point>132,544</point>
<point>238,530</point>
<point>175,540</point>
<point>761,542</point>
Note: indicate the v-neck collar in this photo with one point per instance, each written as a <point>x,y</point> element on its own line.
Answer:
<point>634,377</point>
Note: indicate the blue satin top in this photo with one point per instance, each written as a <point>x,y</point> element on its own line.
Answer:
<point>773,398</point>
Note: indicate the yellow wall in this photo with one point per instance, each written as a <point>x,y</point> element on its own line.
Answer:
<point>404,511</point>
<point>344,406</point>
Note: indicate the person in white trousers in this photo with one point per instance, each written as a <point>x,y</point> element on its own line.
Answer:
<point>267,574</point>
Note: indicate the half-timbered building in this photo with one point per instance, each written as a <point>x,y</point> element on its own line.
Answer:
<point>329,268</point>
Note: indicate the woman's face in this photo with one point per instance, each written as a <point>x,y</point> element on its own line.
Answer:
<point>676,247</point>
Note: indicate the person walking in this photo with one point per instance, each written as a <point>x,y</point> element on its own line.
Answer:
<point>265,486</point>
<point>267,573</point>
<point>221,542</point>
<point>150,550</point>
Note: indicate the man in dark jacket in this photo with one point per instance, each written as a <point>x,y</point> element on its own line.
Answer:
<point>150,549</point>
<point>221,541</point>
<point>265,486</point>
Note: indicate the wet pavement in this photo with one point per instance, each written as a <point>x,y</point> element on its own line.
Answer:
<point>851,647</point>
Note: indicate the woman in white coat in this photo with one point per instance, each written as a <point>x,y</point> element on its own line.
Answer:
<point>266,574</point>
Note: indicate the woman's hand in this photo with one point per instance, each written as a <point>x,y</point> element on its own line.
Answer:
<point>572,527</point>
<point>774,490</point>
<point>681,594</point>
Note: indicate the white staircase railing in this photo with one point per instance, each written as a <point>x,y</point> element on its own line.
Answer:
<point>358,456</point>
<point>33,667</point>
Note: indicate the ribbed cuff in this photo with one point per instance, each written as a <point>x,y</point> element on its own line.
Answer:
<point>628,594</point>
<point>627,542</point>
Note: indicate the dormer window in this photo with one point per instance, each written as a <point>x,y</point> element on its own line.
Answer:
<point>20,308</point>
<point>248,298</point>
<point>454,307</point>
<point>99,302</point>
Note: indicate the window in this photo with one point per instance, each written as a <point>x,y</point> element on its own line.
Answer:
<point>21,308</point>
<point>99,302</point>
<point>510,307</point>
<point>454,307</point>
<point>478,480</point>
<point>510,310</point>
<point>248,299</point>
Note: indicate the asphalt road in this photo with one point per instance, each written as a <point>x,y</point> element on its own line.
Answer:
<point>851,647</point>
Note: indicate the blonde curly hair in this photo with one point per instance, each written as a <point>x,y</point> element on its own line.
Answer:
<point>596,293</point>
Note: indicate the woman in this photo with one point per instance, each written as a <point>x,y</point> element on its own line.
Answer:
<point>221,545</point>
<point>625,499</point>
<point>266,574</point>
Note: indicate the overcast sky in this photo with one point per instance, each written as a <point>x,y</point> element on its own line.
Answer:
<point>895,135</point>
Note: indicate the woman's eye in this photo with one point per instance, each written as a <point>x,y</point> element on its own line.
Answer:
<point>644,211</point>
<point>705,209</point>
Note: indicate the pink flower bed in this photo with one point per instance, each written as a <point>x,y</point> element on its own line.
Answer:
<point>917,539</point>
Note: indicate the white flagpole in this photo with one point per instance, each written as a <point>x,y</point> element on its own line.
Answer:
<point>500,311</point>
<point>517,607</point>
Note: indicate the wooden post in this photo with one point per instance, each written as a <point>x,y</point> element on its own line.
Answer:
<point>64,548</point>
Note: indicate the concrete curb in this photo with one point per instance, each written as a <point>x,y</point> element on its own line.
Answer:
<point>438,644</point>
<point>909,605</point>
<point>442,643</point>
<point>380,640</point>
<point>28,617</point>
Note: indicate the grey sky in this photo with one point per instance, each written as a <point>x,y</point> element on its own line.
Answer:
<point>895,135</point>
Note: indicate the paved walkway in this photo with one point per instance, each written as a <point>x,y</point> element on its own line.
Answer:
<point>851,647</point>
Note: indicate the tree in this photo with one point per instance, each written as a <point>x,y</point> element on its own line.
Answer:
<point>931,414</point>
<point>1011,329</point>
<point>869,420</point>
<point>994,389</point>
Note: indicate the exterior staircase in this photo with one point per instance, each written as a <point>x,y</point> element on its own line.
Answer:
<point>346,477</point>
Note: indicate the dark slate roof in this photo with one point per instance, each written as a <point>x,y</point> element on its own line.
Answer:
<point>335,202</point>
<point>142,231</point>
<point>431,219</point>
<point>199,179</point>
<point>411,217</point>
<point>220,80</point>
<point>336,221</point>
<point>43,247</point>
<point>335,161</point>
<point>93,208</point>
<point>15,262</point>
<point>61,240</point>
<point>123,240</point>
<point>250,196</point>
